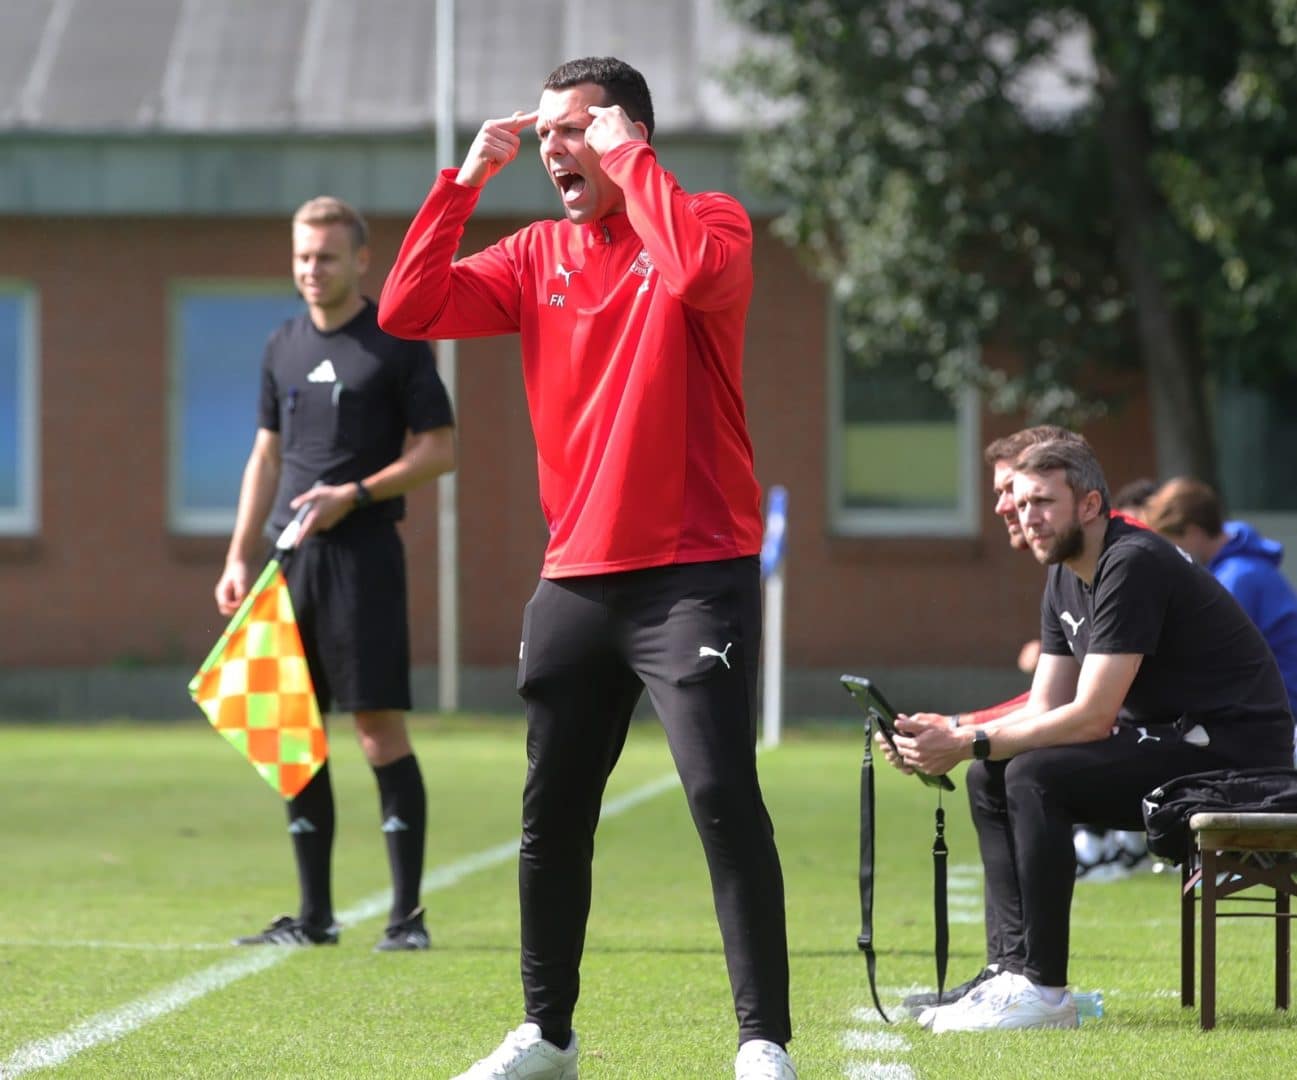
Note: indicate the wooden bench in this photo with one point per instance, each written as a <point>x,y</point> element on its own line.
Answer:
<point>1233,852</point>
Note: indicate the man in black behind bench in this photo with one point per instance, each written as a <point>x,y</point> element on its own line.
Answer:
<point>1126,620</point>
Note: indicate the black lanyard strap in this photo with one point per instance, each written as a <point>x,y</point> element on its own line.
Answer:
<point>865,942</point>
<point>940,855</point>
<point>941,944</point>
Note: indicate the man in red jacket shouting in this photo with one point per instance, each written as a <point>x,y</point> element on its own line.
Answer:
<point>631,311</point>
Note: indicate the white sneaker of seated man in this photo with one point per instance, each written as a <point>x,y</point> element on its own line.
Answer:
<point>927,1017</point>
<point>1004,1002</point>
<point>760,1059</point>
<point>525,1055</point>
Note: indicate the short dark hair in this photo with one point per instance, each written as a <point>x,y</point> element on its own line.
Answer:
<point>621,84</point>
<point>1010,447</point>
<point>1076,459</point>
<point>1182,502</point>
<point>1135,495</point>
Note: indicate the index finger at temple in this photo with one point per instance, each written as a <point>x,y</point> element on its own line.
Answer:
<point>521,120</point>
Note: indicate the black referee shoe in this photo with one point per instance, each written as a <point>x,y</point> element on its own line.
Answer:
<point>408,935</point>
<point>916,1003</point>
<point>287,930</point>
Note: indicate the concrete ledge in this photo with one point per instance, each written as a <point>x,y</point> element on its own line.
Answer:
<point>159,693</point>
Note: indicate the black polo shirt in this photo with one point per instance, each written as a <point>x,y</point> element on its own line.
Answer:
<point>342,402</point>
<point>1204,659</point>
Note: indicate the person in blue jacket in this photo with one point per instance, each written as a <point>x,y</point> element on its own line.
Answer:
<point>1188,512</point>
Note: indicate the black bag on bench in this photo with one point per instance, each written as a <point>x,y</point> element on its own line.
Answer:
<point>1167,808</point>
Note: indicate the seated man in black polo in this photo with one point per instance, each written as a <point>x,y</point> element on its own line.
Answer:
<point>1128,623</point>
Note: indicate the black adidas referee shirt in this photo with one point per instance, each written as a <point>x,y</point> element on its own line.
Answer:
<point>342,402</point>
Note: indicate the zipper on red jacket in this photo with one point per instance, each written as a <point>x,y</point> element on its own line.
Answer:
<point>607,239</point>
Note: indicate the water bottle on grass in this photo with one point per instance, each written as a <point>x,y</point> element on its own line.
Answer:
<point>1089,1006</point>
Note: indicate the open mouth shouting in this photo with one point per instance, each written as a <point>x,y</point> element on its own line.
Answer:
<point>571,185</point>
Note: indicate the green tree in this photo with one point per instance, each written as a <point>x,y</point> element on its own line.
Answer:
<point>1090,187</point>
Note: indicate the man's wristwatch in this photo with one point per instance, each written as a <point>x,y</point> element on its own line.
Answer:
<point>363,497</point>
<point>981,744</point>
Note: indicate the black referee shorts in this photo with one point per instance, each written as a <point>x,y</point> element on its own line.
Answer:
<point>349,593</point>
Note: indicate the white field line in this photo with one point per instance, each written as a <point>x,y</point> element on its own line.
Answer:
<point>877,1042</point>
<point>964,905</point>
<point>880,1070</point>
<point>125,946</point>
<point>114,1024</point>
<point>867,1015</point>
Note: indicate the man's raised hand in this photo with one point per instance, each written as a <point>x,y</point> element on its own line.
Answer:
<point>495,145</point>
<point>611,127</point>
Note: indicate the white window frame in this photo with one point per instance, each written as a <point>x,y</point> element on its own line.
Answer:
<point>962,520</point>
<point>24,519</point>
<point>182,521</point>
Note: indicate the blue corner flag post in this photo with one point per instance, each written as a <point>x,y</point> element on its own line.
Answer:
<point>772,573</point>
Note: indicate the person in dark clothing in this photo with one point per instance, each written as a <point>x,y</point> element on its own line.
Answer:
<point>631,313</point>
<point>1131,499</point>
<point>350,420</point>
<point>1129,625</point>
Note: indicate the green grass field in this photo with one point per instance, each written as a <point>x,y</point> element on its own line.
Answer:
<point>133,853</point>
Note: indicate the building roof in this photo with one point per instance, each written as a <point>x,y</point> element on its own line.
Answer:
<point>230,67</point>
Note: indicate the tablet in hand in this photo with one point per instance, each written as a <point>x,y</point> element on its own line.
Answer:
<point>872,703</point>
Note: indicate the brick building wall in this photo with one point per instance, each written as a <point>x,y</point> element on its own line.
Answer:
<point>105,583</point>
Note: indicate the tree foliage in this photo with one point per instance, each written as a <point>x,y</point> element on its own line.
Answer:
<point>1086,186</point>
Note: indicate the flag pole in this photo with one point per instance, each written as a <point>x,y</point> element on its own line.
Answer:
<point>447,485</point>
<point>772,638</point>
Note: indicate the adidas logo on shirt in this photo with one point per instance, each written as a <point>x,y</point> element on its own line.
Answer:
<point>323,372</point>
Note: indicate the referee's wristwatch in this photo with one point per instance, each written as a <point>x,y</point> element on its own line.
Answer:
<point>981,744</point>
<point>362,496</point>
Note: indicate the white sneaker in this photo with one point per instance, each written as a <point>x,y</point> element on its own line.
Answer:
<point>524,1055</point>
<point>1007,1001</point>
<point>1100,855</point>
<point>762,1060</point>
<point>928,1016</point>
<point>1090,848</point>
<point>1132,848</point>
<point>1104,872</point>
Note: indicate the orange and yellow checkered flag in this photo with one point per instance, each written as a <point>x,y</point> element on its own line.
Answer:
<point>256,689</point>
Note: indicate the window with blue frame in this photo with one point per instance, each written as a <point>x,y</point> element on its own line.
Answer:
<point>19,441</point>
<point>218,335</point>
<point>904,458</point>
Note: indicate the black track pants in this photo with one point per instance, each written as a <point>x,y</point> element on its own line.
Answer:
<point>690,635</point>
<point>1024,809</point>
